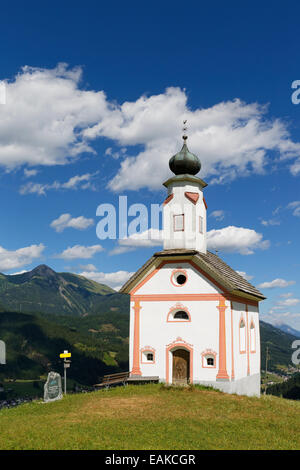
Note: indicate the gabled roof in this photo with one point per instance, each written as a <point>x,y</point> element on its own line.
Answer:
<point>210,263</point>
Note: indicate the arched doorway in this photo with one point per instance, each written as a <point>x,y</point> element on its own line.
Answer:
<point>181,367</point>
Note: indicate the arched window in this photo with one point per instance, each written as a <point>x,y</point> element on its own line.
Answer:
<point>242,335</point>
<point>178,313</point>
<point>181,315</point>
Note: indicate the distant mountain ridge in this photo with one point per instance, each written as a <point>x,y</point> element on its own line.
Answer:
<point>44,290</point>
<point>288,329</point>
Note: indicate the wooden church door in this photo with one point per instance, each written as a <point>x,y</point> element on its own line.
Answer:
<point>181,366</point>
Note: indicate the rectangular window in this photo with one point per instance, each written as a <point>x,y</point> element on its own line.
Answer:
<point>200,224</point>
<point>179,223</point>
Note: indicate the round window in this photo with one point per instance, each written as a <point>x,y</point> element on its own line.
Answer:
<point>179,278</point>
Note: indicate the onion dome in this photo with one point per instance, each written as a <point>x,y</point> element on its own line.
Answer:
<point>185,162</point>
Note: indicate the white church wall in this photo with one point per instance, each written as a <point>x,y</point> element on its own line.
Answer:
<point>201,333</point>
<point>163,282</point>
<point>245,360</point>
<point>240,353</point>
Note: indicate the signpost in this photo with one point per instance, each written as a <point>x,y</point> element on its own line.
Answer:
<point>65,355</point>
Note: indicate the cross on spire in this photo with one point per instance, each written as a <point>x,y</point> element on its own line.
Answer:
<point>184,129</point>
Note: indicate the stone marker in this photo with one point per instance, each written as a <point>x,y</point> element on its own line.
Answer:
<point>2,352</point>
<point>52,388</point>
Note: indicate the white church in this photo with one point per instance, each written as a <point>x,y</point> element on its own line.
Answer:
<point>193,319</point>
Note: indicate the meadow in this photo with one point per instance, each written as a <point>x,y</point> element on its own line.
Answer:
<point>153,417</point>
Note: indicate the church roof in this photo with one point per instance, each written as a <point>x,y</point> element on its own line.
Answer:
<point>210,263</point>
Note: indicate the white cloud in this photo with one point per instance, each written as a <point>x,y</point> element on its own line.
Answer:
<point>218,215</point>
<point>148,238</point>
<point>232,138</point>
<point>245,275</point>
<point>88,267</point>
<point>44,115</point>
<point>295,207</point>
<point>18,272</point>
<point>79,251</point>
<point>295,168</point>
<point>114,280</point>
<point>30,173</point>
<point>275,283</point>
<point>74,183</point>
<point>229,239</point>
<point>13,259</point>
<point>233,239</point>
<point>281,317</point>
<point>268,222</point>
<point>115,154</point>
<point>50,119</point>
<point>65,221</point>
<point>290,302</point>
<point>120,250</point>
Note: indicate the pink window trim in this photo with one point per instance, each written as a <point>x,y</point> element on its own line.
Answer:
<point>178,270</point>
<point>242,351</point>
<point>176,308</point>
<point>204,354</point>
<point>150,350</point>
<point>176,215</point>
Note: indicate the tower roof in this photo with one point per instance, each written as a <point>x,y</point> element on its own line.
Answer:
<point>185,162</point>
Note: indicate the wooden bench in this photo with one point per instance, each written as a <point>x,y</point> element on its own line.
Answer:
<point>113,379</point>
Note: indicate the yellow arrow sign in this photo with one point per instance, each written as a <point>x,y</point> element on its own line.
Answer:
<point>65,355</point>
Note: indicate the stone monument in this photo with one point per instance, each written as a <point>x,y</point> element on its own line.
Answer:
<point>52,388</point>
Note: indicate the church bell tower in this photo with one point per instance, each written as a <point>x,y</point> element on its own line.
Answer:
<point>184,212</point>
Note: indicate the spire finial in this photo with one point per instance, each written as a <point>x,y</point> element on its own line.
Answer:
<point>184,129</point>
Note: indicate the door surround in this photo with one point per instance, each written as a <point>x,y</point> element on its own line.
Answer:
<point>179,343</point>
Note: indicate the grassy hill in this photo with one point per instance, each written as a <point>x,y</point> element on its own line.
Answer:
<point>44,290</point>
<point>153,417</point>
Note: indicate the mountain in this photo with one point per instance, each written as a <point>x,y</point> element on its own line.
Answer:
<point>34,342</point>
<point>44,290</point>
<point>288,329</point>
<point>279,344</point>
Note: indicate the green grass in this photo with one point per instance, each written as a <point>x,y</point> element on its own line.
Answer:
<point>155,418</point>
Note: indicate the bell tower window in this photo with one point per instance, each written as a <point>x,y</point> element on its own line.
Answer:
<point>178,223</point>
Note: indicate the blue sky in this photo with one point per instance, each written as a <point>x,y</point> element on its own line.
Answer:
<point>95,98</point>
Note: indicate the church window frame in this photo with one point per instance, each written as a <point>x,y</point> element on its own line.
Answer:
<point>175,310</point>
<point>201,223</point>
<point>176,275</point>
<point>252,337</point>
<point>209,359</point>
<point>242,335</point>
<point>176,223</point>
<point>147,355</point>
